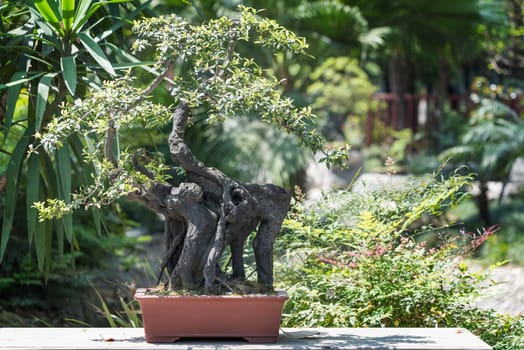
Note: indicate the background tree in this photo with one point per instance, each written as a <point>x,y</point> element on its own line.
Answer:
<point>489,146</point>
<point>504,43</point>
<point>428,41</point>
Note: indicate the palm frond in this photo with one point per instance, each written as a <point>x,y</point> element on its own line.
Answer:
<point>332,18</point>
<point>491,109</point>
<point>374,37</point>
<point>460,153</point>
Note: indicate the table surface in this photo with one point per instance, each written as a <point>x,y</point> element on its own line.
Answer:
<point>290,338</point>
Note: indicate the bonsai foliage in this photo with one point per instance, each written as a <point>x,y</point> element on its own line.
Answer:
<point>206,210</point>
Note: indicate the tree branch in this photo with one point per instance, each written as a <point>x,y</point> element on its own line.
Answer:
<point>109,142</point>
<point>158,79</point>
<point>182,155</point>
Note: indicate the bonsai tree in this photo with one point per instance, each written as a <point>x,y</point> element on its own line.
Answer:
<point>205,210</point>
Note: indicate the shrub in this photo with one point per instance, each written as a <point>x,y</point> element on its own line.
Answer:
<point>352,260</point>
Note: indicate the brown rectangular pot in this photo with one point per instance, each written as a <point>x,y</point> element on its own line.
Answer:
<point>256,318</point>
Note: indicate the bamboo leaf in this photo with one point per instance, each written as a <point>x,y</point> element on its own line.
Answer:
<point>32,194</point>
<point>41,100</point>
<point>96,52</point>
<point>14,168</point>
<point>68,14</point>
<point>68,66</point>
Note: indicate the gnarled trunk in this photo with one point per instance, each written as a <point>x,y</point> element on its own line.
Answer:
<point>208,212</point>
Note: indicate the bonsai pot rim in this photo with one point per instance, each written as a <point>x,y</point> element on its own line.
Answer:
<point>143,294</point>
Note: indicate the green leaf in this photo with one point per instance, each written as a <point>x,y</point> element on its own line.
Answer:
<point>80,13</point>
<point>140,64</point>
<point>52,32</point>
<point>77,147</point>
<point>40,238</point>
<point>68,66</point>
<point>49,12</point>
<point>68,226</point>
<point>19,80</point>
<point>96,52</point>
<point>86,9</point>
<point>32,194</point>
<point>97,220</point>
<point>132,60</point>
<point>60,237</point>
<point>14,169</point>
<point>12,96</point>
<point>49,65</point>
<point>48,248</point>
<point>68,14</point>
<point>122,21</point>
<point>42,228</point>
<point>63,165</point>
<point>105,310</point>
<point>41,100</point>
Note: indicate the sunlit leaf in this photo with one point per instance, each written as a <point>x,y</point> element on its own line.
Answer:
<point>18,79</point>
<point>68,13</point>
<point>80,14</point>
<point>49,12</point>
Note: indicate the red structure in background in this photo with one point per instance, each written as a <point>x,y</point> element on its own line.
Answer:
<point>420,113</point>
<point>420,110</point>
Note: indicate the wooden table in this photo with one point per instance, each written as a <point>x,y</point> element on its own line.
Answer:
<point>290,338</point>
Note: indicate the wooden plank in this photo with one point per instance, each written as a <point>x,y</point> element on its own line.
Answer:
<point>290,338</point>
